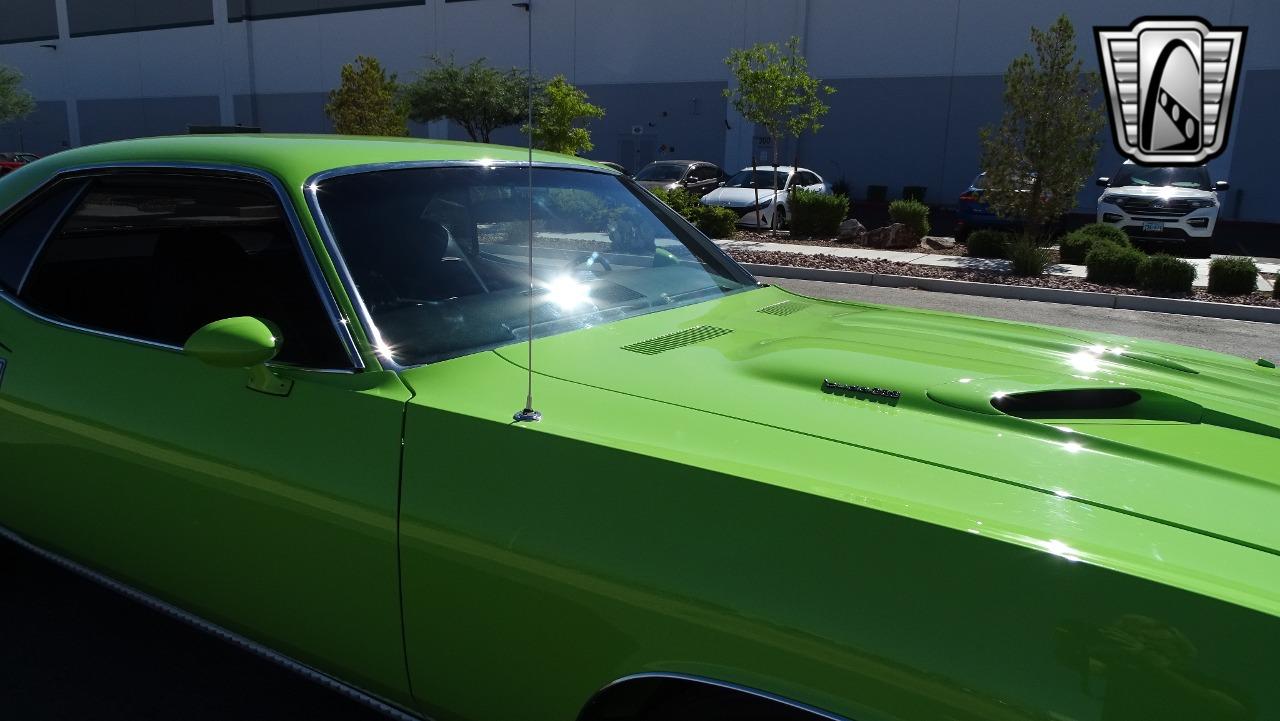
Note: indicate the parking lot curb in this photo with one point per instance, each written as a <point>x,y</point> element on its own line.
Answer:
<point>1179,306</point>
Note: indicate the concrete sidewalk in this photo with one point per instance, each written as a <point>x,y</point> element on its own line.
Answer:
<point>962,262</point>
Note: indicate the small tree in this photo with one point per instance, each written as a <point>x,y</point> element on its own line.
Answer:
<point>367,101</point>
<point>15,102</point>
<point>558,109</point>
<point>1044,148</point>
<point>479,98</point>
<point>775,91</point>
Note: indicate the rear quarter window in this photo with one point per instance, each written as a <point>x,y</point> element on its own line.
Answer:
<point>24,229</point>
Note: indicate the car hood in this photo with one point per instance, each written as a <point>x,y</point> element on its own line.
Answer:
<point>1147,191</point>
<point>1196,450</point>
<point>736,197</point>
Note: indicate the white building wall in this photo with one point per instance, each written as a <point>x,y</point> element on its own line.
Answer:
<point>916,77</point>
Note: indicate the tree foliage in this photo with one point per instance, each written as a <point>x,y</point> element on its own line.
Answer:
<point>367,101</point>
<point>775,90</point>
<point>15,101</point>
<point>558,109</point>
<point>477,97</point>
<point>1039,155</point>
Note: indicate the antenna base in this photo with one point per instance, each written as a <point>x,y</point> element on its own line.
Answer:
<point>527,415</point>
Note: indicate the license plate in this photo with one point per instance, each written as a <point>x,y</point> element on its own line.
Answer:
<point>1152,225</point>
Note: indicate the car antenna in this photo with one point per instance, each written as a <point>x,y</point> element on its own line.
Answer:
<point>529,415</point>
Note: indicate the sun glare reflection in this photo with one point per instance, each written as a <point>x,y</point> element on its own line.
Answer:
<point>1058,548</point>
<point>1084,362</point>
<point>567,293</point>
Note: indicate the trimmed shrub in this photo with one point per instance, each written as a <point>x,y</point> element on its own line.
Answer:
<point>988,243</point>
<point>1232,276</point>
<point>713,221</point>
<point>1111,263</point>
<point>1165,274</point>
<point>1029,259</point>
<point>1105,231</point>
<point>680,200</point>
<point>911,213</point>
<point>1074,246</point>
<point>816,214</point>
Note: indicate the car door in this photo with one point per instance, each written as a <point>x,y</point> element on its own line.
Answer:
<point>271,515</point>
<point>701,180</point>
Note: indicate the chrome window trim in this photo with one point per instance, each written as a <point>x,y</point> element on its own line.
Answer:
<point>310,673</point>
<point>311,189</point>
<point>706,681</point>
<point>309,259</point>
<point>57,223</point>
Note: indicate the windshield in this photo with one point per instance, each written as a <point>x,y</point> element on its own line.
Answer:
<point>1192,178</point>
<point>764,179</point>
<point>661,171</point>
<point>440,255</point>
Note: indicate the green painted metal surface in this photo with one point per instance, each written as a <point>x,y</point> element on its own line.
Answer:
<point>705,507</point>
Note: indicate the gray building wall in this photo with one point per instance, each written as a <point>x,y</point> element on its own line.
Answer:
<point>120,118</point>
<point>916,78</point>
<point>27,20</point>
<point>43,131</point>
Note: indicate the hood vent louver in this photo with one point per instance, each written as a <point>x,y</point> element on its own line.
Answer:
<point>1065,403</point>
<point>786,307</point>
<point>671,341</point>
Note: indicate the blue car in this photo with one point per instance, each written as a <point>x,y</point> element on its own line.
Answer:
<point>974,214</point>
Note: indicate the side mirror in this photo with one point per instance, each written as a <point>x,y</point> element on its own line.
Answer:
<point>1221,185</point>
<point>241,342</point>
<point>1103,182</point>
<point>721,183</point>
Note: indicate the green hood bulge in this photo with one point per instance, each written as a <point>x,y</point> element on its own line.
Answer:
<point>1184,437</point>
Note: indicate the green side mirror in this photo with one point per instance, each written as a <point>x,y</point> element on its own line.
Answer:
<point>234,343</point>
<point>242,342</point>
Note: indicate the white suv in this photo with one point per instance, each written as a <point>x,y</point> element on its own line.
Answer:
<point>1170,204</point>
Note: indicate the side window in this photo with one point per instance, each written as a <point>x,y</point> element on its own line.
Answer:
<point>156,256</point>
<point>30,224</point>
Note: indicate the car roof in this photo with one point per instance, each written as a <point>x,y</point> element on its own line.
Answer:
<point>295,158</point>
<point>682,162</point>
<point>780,168</point>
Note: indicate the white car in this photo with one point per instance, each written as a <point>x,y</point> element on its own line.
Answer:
<point>739,193</point>
<point>1170,204</point>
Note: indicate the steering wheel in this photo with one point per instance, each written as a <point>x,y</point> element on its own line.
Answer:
<point>590,260</point>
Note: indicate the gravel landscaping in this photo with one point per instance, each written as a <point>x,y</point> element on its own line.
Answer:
<point>869,265</point>
<point>785,237</point>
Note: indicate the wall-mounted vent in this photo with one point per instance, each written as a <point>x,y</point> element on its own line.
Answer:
<point>786,307</point>
<point>667,342</point>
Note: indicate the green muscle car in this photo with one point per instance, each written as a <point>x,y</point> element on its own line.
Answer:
<point>267,384</point>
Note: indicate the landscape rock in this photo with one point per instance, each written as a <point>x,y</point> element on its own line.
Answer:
<point>891,236</point>
<point>851,230</point>
<point>938,243</point>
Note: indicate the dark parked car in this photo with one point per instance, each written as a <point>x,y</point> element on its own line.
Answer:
<point>973,213</point>
<point>10,162</point>
<point>697,177</point>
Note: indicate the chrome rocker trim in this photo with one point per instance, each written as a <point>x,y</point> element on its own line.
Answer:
<point>764,695</point>
<point>311,674</point>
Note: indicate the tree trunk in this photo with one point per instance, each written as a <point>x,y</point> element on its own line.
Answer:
<point>773,227</point>
<point>754,185</point>
<point>1035,220</point>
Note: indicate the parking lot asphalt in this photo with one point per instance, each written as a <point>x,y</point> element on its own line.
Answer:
<point>72,650</point>
<point>1238,337</point>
